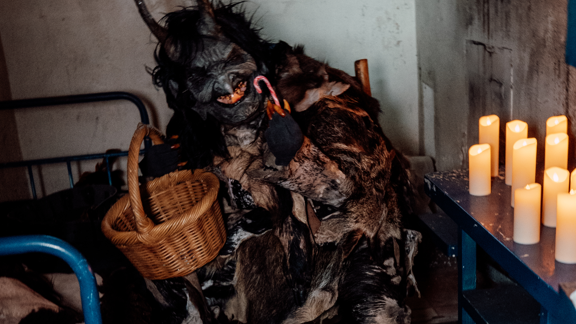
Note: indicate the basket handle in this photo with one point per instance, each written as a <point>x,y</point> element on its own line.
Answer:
<point>143,223</point>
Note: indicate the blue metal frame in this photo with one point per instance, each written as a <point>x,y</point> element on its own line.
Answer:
<point>52,245</point>
<point>83,98</point>
<point>64,100</point>
<point>466,274</point>
<point>57,247</point>
<point>571,34</point>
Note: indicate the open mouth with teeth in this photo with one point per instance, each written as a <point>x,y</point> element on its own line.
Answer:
<point>235,97</point>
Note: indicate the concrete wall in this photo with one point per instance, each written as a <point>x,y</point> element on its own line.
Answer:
<point>72,47</point>
<point>478,57</point>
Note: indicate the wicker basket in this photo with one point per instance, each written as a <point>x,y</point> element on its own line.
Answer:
<point>183,230</point>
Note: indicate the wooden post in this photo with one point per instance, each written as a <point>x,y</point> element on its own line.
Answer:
<point>361,70</point>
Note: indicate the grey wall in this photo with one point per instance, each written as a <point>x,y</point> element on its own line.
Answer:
<point>73,47</point>
<point>480,57</point>
<point>54,48</point>
<point>14,180</point>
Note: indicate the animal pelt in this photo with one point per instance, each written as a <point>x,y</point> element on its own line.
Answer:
<point>335,212</point>
<point>346,162</point>
<point>364,277</point>
<point>28,296</point>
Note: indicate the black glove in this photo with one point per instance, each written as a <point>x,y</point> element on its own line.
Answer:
<point>159,160</point>
<point>284,138</point>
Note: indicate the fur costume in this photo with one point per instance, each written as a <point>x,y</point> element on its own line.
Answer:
<point>320,236</point>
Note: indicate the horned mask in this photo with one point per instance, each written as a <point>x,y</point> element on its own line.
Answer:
<point>216,72</point>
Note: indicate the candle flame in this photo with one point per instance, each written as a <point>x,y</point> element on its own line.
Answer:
<point>572,191</point>
<point>517,129</point>
<point>556,140</point>
<point>524,143</point>
<point>556,121</point>
<point>555,177</point>
<point>488,122</point>
<point>479,150</point>
<point>528,187</point>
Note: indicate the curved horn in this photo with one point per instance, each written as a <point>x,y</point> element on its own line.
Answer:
<point>208,25</point>
<point>160,32</point>
<point>206,6</point>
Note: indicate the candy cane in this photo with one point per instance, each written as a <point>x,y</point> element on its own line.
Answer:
<point>272,92</point>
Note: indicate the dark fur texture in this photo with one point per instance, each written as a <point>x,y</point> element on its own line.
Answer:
<point>364,277</point>
<point>336,211</point>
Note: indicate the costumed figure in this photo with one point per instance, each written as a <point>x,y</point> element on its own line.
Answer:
<point>314,194</point>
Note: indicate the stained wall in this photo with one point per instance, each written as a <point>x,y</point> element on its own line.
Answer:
<point>479,57</point>
<point>66,48</point>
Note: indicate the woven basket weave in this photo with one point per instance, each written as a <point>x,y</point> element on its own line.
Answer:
<point>174,226</point>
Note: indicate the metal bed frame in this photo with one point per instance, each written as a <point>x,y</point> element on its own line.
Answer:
<point>84,98</point>
<point>51,245</point>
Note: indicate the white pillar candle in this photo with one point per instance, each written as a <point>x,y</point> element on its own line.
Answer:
<point>556,124</point>
<point>566,229</point>
<point>524,164</point>
<point>489,133</point>
<point>555,182</point>
<point>479,170</point>
<point>515,130</point>
<point>573,180</point>
<point>556,151</point>
<point>527,214</point>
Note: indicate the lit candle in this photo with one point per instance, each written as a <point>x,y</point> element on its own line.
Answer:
<point>556,124</point>
<point>515,130</point>
<point>490,134</point>
<point>566,230</point>
<point>524,164</point>
<point>479,170</point>
<point>527,214</point>
<point>556,151</point>
<point>573,180</point>
<point>555,182</point>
